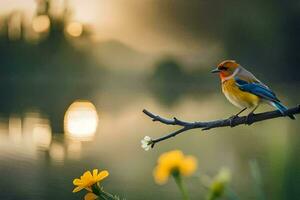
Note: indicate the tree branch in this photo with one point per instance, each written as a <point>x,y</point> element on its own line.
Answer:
<point>230,122</point>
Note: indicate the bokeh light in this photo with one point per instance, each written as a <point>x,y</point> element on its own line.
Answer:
<point>42,136</point>
<point>81,120</point>
<point>74,29</point>
<point>57,152</point>
<point>15,26</point>
<point>15,129</point>
<point>41,23</point>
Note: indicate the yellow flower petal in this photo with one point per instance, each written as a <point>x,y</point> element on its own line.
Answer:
<point>90,196</point>
<point>172,161</point>
<point>87,175</point>
<point>95,173</point>
<point>160,175</point>
<point>88,179</point>
<point>188,166</point>
<point>170,156</point>
<point>102,175</point>
<point>77,189</point>
<point>77,181</point>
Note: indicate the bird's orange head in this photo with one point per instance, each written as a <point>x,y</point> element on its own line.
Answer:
<point>226,68</point>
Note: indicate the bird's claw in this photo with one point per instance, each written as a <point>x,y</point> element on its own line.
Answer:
<point>231,120</point>
<point>249,118</point>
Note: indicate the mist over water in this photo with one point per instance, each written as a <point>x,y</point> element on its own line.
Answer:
<point>50,158</point>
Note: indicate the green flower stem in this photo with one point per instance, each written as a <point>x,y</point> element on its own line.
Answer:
<point>108,196</point>
<point>179,182</point>
<point>97,190</point>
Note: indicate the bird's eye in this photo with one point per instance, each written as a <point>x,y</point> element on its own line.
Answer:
<point>223,68</point>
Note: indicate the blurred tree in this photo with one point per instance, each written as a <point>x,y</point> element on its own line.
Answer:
<point>169,71</point>
<point>264,35</point>
<point>49,73</point>
<point>291,29</point>
<point>168,80</point>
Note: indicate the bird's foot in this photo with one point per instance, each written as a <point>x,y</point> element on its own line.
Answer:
<point>249,118</point>
<point>231,120</point>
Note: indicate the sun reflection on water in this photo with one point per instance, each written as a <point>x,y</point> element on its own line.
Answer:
<point>74,29</point>
<point>57,152</point>
<point>15,129</point>
<point>42,135</point>
<point>41,23</point>
<point>81,120</point>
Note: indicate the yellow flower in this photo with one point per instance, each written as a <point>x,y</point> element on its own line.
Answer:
<point>88,179</point>
<point>90,196</point>
<point>174,162</point>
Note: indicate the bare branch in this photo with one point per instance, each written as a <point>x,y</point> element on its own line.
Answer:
<point>230,122</point>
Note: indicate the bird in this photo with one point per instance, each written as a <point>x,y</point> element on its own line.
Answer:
<point>245,91</point>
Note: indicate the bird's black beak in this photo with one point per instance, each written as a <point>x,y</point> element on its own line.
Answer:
<point>216,70</point>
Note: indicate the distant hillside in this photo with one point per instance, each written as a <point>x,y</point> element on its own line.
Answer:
<point>117,56</point>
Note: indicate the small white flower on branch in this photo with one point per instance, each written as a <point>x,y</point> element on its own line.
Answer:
<point>146,143</point>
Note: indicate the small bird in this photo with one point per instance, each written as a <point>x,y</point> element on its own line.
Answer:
<point>244,90</point>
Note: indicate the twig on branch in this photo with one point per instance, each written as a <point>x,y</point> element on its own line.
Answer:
<point>230,122</point>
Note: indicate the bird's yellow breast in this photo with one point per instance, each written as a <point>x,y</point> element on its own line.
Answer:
<point>238,97</point>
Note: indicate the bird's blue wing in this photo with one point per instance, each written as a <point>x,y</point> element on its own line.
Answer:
<point>256,88</point>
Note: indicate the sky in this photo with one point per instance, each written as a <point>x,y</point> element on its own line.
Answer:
<point>149,26</point>
<point>146,25</point>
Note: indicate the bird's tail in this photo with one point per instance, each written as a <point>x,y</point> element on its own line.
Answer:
<point>282,108</point>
